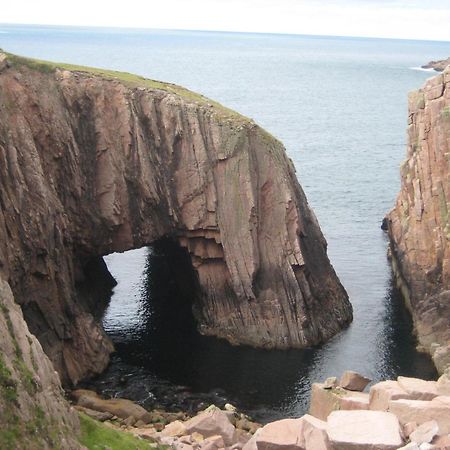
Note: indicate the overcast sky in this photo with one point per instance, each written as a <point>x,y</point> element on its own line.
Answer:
<point>413,19</point>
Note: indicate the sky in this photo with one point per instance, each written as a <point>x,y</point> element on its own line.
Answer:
<point>404,19</point>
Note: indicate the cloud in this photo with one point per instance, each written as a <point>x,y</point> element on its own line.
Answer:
<point>412,19</point>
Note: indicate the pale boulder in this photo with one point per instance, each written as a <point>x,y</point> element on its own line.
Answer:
<point>418,389</point>
<point>212,443</point>
<point>443,384</point>
<point>210,422</point>
<point>364,430</point>
<point>315,433</point>
<point>382,393</point>
<point>286,434</point>
<point>425,432</point>
<point>325,400</point>
<point>353,381</point>
<point>423,411</point>
<point>176,429</point>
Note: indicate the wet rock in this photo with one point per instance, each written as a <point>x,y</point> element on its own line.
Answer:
<point>364,430</point>
<point>353,381</point>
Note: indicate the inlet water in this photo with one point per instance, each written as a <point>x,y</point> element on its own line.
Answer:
<point>340,107</point>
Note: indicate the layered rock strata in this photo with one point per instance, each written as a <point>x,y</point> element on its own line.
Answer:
<point>94,162</point>
<point>419,225</point>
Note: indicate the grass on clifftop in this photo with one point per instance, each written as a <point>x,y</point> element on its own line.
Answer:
<point>128,79</point>
<point>97,436</point>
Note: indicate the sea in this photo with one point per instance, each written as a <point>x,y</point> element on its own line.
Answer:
<point>339,105</point>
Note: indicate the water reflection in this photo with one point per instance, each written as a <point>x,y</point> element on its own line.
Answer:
<point>158,343</point>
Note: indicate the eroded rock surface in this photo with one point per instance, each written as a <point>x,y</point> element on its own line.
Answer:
<point>439,66</point>
<point>419,225</point>
<point>33,411</point>
<point>97,162</point>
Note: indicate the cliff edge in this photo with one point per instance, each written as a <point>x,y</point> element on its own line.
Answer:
<point>419,225</point>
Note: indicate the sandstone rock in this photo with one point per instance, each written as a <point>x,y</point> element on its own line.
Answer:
<point>353,381</point>
<point>408,428</point>
<point>418,389</point>
<point>286,434</point>
<point>176,428</point>
<point>439,66</point>
<point>330,382</point>
<point>324,400</point>
<point>33,411</point>
<point>425,432</point>
<point>442,442</point>
<point>247,425</point>
<point>418,225</point>
<point>97,415</point>
<point>315,433</point>
<point>410,446</point>
<point>364,430</point>
<point>212,443</point>
<point>443,384</point>
<point>119,407</point>
<point>383,392</point>
<point>93,164</point>
<point>212,422</point>
<point>421,411</point>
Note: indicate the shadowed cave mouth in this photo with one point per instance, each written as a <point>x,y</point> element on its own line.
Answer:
<point>151,321</point>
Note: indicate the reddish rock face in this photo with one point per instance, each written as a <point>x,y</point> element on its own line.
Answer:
<point>419,225</point>
<point>96,163</point>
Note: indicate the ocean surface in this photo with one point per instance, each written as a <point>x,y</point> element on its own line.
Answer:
<point>340,107</point>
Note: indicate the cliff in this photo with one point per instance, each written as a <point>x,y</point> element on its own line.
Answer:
<point>439,66</point>
<point>94,162</point>
<point>33,412</point>
<point>418,226</point>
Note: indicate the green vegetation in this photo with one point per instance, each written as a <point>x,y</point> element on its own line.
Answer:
<point>445,113</point>
<point>97,436</point>
<point>127,79</point>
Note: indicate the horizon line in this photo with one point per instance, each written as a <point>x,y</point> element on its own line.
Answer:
<point>271,33</point>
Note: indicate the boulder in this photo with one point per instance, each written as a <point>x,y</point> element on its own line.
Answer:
<point>425,432</point>
<point>382,393</point>
<point>97,415</point>
<point>418,389</point>
<point>353,381</point>
<point>211,422</point>
<point>325,400</point>
<point>286,434</point>
<point>421,411</point>
<point>212,443</point>
<point>119,407</point>
<point>364,430</point>
<point>315,433</point>
<point>176,428</point>
<point>330,382</point>
<point>443,384</point>
<point>442,442</point>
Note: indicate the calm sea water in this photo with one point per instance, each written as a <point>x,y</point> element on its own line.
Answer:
<point>339,106</point>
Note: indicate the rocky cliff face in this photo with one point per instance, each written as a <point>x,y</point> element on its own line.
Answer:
<point>419,225</point>
<point>33,412</point>
<point>94,162</point>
